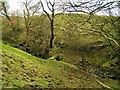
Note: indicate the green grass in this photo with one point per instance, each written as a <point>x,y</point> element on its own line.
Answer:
<point>17,51</point>
<point>22,70</point>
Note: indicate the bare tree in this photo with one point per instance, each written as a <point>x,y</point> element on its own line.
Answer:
<point>53,9</point>
<point>4,9</point>
<point>92,7</point>
<point>30,9</point>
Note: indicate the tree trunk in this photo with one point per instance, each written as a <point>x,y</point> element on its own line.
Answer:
<point>27,36</point>
<point>52,34</point>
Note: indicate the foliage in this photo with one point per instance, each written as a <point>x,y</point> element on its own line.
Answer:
<point>88,41</point>
<point>22,70</point>
<point>73,40</point>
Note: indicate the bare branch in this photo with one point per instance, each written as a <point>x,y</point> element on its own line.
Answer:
<point>48,5</point>
<point>4,9</point>
<point>45,11</point>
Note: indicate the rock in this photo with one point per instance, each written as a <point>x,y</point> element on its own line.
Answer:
<point>52,58</point>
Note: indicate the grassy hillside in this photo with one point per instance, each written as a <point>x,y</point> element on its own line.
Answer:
<point>82,55</point>
<point>23,70</point>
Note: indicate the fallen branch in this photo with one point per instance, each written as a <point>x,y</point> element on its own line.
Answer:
<point>104,84</point>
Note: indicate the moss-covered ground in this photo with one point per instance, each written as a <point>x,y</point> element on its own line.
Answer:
<point>22,70</point>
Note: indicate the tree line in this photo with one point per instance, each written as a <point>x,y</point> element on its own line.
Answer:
<point>51,9</point>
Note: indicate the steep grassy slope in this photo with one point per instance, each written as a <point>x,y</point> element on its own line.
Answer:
<point>24,70</point>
